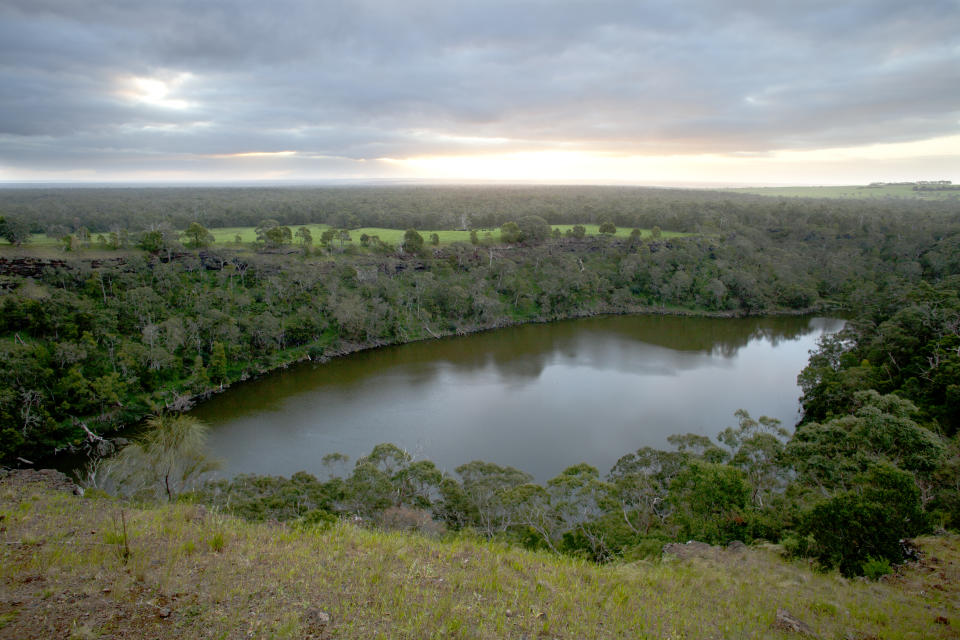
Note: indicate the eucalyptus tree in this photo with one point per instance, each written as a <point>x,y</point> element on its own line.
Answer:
<point>198,236</point>
<point>756,448</point>
<point>166,460</point>
<point>485,495</point>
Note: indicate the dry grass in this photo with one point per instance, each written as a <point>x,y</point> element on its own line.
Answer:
<point>192,573</point>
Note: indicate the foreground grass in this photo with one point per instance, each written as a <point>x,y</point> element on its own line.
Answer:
<point>191,573</point>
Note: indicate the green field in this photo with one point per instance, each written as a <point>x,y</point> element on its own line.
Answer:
<point>859,192</point>
<point>226,236</point>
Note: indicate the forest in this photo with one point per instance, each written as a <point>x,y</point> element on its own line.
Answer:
<point>140,313</point>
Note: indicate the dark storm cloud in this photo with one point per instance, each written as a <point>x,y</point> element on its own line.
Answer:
<point>365,80</point>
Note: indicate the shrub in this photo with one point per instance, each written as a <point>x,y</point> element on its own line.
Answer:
<point>867,522</point>
<point>875,568</point>
<point>316,519</point>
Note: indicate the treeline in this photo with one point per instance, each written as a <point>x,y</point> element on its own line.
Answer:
<point>102,210</point>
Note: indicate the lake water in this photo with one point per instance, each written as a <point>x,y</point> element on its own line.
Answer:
<point>536,397</point>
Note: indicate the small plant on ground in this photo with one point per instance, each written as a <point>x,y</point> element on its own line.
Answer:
<point>876,568</point>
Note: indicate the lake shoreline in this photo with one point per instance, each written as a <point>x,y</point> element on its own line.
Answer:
<point>351,348</point>
<point>300,355</point>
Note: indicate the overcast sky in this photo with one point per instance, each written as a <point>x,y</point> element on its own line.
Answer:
<point>634,91</point>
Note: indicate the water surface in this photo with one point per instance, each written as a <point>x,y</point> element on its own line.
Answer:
<point>537,397</point>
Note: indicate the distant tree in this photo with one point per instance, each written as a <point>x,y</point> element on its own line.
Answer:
<point>533,229</point>
<point>57,231</point>
<point>608,228</point>
<point>160,238</point>
<point>327,236</point>
<point>200,378</point>
<point>578,231</point>
<point>636,234</point>
<point>151,241</point>
<point>14,230</point>
<point>217,368</point>
<point>412,241</point>
<point>556,234</point>
<point>474,237</point>
<point>278,236</point>
<point>197,236</point>
<point>656,232</point>
<point>304,237</point>
<point>434,239</point>
<point>510,233</point>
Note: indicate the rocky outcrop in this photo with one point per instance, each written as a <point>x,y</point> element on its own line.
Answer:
<point>48,477</point>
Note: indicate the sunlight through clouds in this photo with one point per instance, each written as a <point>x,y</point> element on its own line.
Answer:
<point>886,161</point>
<point>156,92</point>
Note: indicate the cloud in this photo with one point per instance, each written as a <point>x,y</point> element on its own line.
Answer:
<point>116,85</point>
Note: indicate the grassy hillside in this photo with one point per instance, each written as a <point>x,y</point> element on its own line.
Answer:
<point>184,572</point>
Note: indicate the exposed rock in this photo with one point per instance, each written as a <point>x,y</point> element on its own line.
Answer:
<point>788,622</point>
<point>691,549</point>
<point>316,618</point>
<point>736,547</point>
<point>48,477</point>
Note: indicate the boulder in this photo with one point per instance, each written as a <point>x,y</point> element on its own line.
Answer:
<point>788,622</point>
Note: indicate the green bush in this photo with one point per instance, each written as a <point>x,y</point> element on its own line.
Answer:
<point>867,522</point>
<point>711,501</point>
<point>875,568</point>
<point>316,519</point>
<point>796,545</point>
<point>646,548</point>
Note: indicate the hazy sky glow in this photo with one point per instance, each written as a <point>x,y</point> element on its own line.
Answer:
<point>657,92</point>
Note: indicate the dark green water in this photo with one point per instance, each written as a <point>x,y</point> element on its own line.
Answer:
<point>537,397</point>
